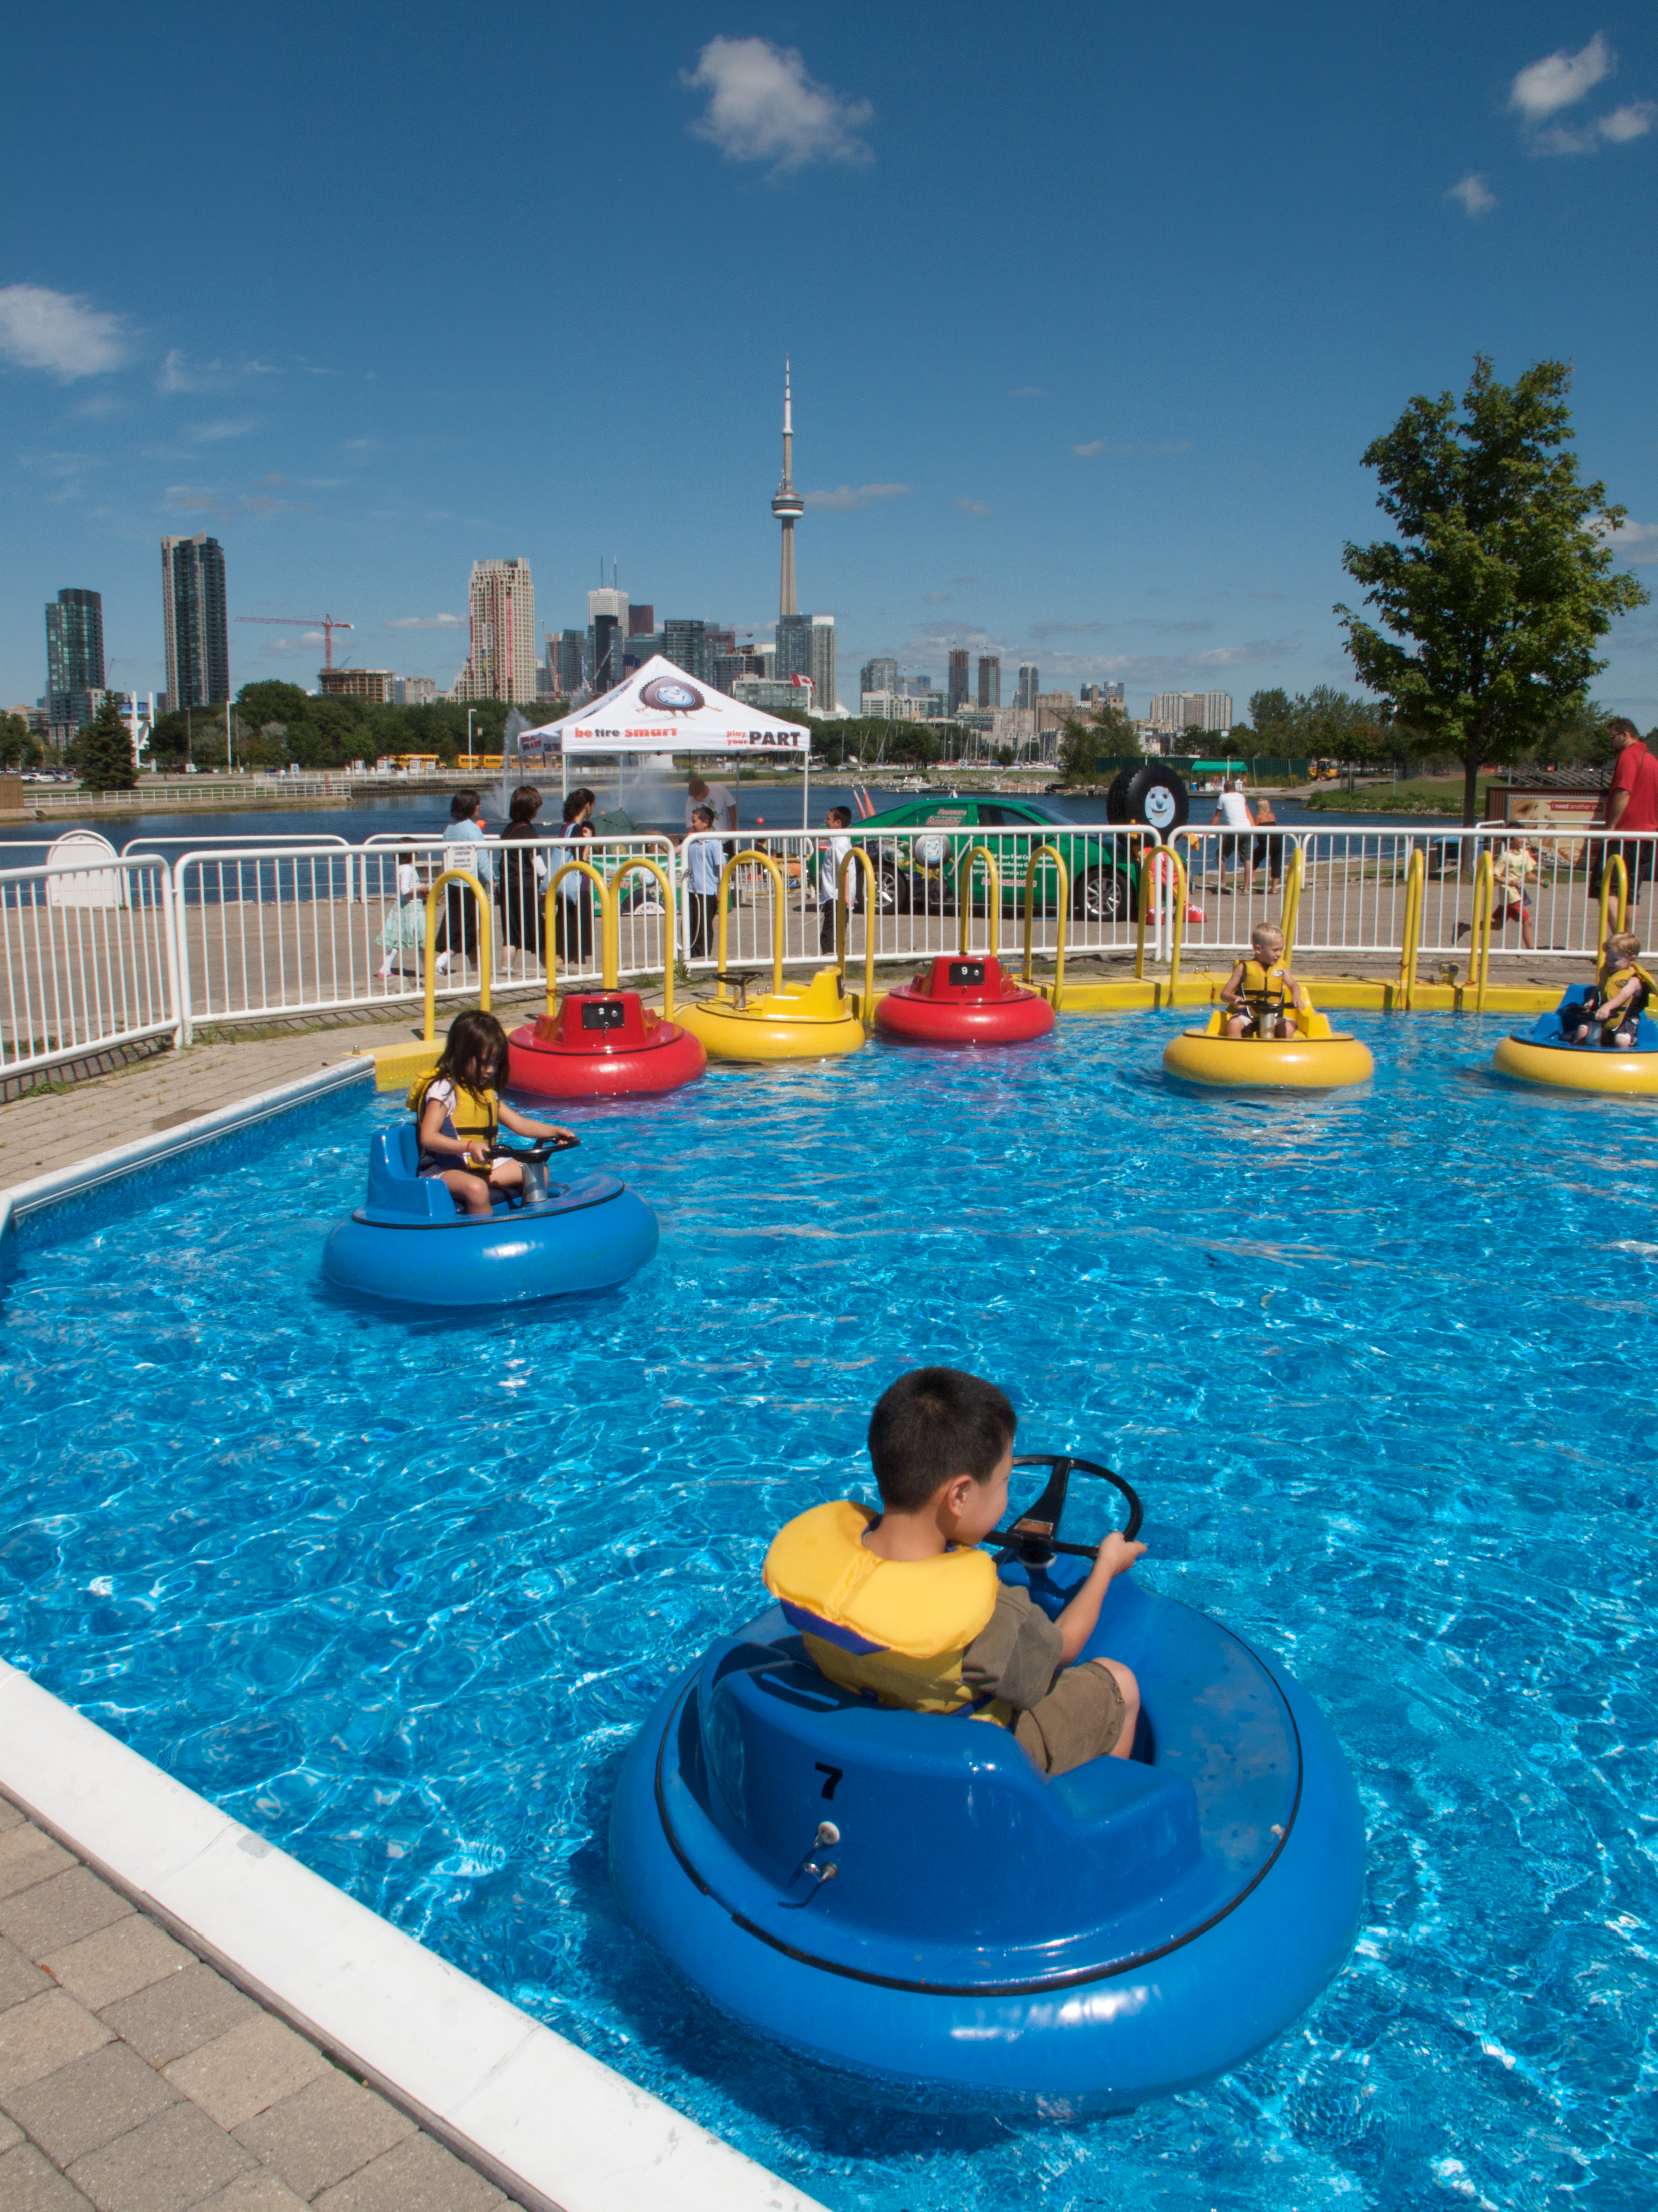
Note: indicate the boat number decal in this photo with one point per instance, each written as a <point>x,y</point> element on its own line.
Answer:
<point>834,1774</point>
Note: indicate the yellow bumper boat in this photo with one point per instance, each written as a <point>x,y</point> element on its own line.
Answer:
<point>813,1020</point>
<point>1316,1058</point>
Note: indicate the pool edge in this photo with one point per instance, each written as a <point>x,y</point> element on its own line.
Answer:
<point>555,2128</point>
<point>124,1160</point>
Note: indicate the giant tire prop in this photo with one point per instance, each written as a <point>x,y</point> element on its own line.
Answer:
<point>1151,794</point>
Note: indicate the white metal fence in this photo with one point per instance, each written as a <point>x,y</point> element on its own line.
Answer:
<point>88,960</point>
<point>96,952</point>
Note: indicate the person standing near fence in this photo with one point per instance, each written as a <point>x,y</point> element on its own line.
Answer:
<point>1269,850</point>
<point>718,800</point>
<point>704,859</point>
<point>1236,849</point>
<point>523,878</point>
<point>830,859</point>
<point>463,852</point>
<point>574,920</point>
<point>1631,804</point>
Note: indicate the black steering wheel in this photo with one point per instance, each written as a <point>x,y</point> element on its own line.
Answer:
<point>543,1149</point>
<point>1034,1538</point>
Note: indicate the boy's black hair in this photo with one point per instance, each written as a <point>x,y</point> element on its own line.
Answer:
<point>464,805</point>
<point>474,1052</point>
<point>932,1425</point>
<point>840,818</point>
<point>525,804</point>
<point>708,811</point>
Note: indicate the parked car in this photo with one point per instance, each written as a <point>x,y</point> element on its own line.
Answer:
<point>917,848</point>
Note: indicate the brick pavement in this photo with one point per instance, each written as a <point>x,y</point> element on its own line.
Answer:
<point>134,2078</point>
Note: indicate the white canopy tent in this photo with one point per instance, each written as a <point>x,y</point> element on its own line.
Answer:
<point>660,709</point>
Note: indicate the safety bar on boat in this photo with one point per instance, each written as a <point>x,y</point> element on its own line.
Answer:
<point>1027,973</point>
<point>857,853</point>
<point>1289,912</point>
<point>1416,876</point>
<point>1152,868</point>
<point>609,962</point>
<point>964,867</point>
<point>1615,885</point>
<point>1480,940</point>
<point>614,919</point>
<point>440,883</point>
<point>779,899</point>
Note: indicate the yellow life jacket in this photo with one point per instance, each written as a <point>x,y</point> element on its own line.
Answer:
<point>899,1627</point>
<point>1260,982</point>
<point>1613,980</point>
<point>475,1114</point>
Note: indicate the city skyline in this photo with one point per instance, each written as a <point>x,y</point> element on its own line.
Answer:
<point>1078,486</point>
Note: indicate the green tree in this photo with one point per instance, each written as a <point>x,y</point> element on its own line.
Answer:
<point>1078,749</point>
<point>102,751</point>
<point>1272,716</point>
<point>1492,607</point>
<point>19,747</point>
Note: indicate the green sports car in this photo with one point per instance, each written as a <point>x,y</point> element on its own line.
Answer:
<point>917,848</point>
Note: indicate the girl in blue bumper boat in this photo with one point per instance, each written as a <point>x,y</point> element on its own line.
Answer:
<point>452,1218</point>
<point>1014,1829</point>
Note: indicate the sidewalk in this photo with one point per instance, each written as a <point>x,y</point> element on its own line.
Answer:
<point>133,2078</point>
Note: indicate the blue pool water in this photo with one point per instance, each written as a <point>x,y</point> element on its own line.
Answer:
<point>397,1591</point>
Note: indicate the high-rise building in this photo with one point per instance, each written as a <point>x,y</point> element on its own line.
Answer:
<point>376,685</point>
<point>794,645</point>
<point>686,644</point>
<point>1030,683</point>
<point>415,691</point>
<point>990,679</point>
<point>1102,695</point>
<point>75,642</point>
<point>194,619</point>
<point>641,620</point>
<point>958,679</point>
<point>502,663</point>
<point>788,506</point>
<point>880,674</point>
<point>1175,711</point>
<point>822,670</point>
<point>567,655</point>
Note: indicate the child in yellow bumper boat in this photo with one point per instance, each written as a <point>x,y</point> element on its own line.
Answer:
<point>1258,993</point>
<point>1611,1013</point>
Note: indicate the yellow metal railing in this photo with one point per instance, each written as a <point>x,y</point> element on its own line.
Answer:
<point>1415,879</point>
<point>778,906</point>
<point>969,861</point>
<point>1027,973</point>
<point>1151,867</point>
<point>485,950</point>
<point>1615,885</point>
<point>843,925</point>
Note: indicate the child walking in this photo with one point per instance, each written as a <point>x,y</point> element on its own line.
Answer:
<point>459,1111</point>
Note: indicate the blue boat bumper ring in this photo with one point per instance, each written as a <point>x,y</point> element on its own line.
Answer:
<point>409,1242</point>
<point>904,1896</point>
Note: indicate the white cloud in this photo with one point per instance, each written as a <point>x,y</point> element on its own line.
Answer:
<point>762,107</point>
<point>69,471</point>
<point>1097,445</point>
<point>1027,392</point>
<point>1475,195</point>
<point>1560,80</point>
<point>1632,120</point>
<point>40,329</point>
<point>178,373</point>
<point>1088,451</point>
<point>426,622</point>
<point>849,496</point>
<point>975,507</point>
<point>1244,656</point>
<point>211,434</point>
<point>1636,541</point>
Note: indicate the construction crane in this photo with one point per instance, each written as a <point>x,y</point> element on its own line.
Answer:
<point>326,623</point>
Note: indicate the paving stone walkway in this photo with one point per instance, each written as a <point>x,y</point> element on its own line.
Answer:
<point>134,2078</point>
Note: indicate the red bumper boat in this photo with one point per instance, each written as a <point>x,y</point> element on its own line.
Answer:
<point>963,999</point>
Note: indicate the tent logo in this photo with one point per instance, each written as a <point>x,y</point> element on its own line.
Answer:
<point>670,695</point>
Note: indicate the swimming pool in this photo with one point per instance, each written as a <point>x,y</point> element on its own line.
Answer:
<point>397,1592</point>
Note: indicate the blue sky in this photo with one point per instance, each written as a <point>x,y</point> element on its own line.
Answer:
<point>1092,311</point>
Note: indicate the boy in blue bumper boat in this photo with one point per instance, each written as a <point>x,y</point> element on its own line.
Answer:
<point>460,1113</point>
<point>901,1606</point>
<point>1616,1004</point>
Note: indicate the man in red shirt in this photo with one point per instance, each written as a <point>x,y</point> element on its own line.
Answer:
<point>1631,804</point>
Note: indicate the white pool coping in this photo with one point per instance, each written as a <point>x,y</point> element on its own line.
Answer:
<point>557,2129</point>
<point>124,1160</point>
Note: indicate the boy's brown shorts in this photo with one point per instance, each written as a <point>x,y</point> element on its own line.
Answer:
<point>1081,1718</point>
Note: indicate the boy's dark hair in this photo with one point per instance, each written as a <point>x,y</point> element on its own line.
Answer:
<point>474,1052</point>
<point>932,1424</point>
<point>840,818</point>
<point>708,811</point>
<point>464,805</point>
<point>525,804</point>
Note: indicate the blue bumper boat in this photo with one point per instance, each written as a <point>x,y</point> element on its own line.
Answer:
<point>902,1896</point>
<point>1542,1054</point>
<point>410,1242</point>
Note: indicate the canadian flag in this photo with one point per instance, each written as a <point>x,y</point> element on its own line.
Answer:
<point>803,683</point>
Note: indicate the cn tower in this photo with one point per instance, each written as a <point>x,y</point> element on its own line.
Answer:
<point>788,506</point>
